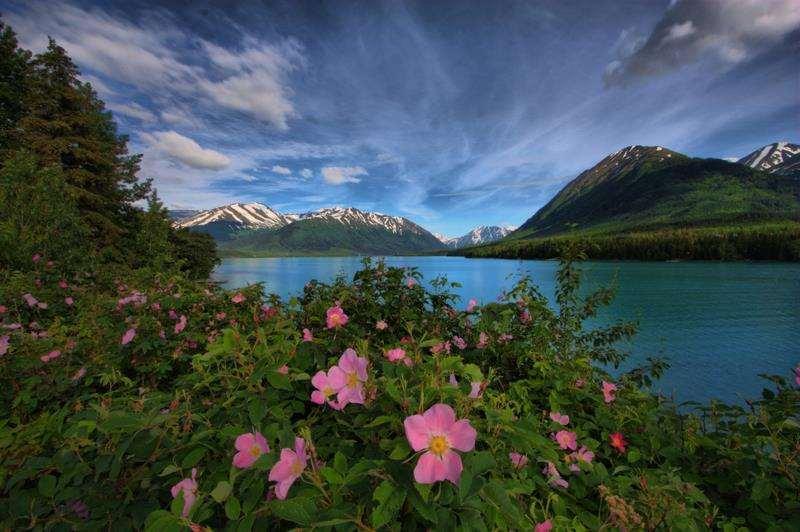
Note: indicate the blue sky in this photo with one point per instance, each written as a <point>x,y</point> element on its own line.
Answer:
<point>450,113</point>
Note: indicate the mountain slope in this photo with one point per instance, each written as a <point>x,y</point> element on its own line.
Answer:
<point>482,234</point>
<point>338,231</point>
<point>777,158</point>
<point>242,215</point>
<point>648,187</point>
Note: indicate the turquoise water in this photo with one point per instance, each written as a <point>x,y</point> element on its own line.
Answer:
<point>718,324</point>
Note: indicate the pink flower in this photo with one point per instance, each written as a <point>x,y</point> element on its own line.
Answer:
<point>439,434</point>
<point>398,355</point>
<point>52,355</point>
<point>443,347</point>
<point>544,526</point>
<point>181,325</point>
<point>608,391</point>
<point>617,441</point>
<point>220,316</point>
<point>129,335</point>
<point>580,383</point>
<point>483,340</point>
<point>4,344</point>
<point>525,316</point>
<point>581,455</point>
<point>553,476</point>
<point>381,325</point>
<point>250,446</point>
<point>36,257</point>
<point>156,306</point>
<point>69,301</point>
<point>518,460</point>
<point>566,439</point>
<point>188,487</point>
<point>459,342</point>
<point>324,389</point>
<point>172,315</point>
<point>63,284</point>
<point>453,381</point>
<point>30,300</point>
<point>335,317</point>
<point>411,282</point>
<point>289,468</point>
<point>42,305</point>
<point>349,377</point>
<point>3,309</point>
<point>471,305</point>
<point>476,390</point>
<point>307,336</point>
<point>79,374</point>
<point>238,298</point>
<point>504,338</point>
<point>559,418</point>
<point>283,370</point>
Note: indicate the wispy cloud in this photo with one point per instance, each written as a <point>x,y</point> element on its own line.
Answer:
<point>186,150</point>
<point>339,175</point>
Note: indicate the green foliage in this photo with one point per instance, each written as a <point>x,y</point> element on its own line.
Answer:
<point>757,241</point>
<point>102,449</point>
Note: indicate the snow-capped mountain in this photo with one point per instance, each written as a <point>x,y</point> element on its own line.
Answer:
<point>244,215</point>
<point>777,158</point>
<point>480,235</point>
<point>353,216</point>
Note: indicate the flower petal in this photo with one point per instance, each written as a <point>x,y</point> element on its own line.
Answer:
<point>416,432</point>
<point>429,469</point>
<point>440,417</point>
<point>462,435</point>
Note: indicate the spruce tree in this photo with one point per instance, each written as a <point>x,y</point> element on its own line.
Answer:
<point>14,73</point>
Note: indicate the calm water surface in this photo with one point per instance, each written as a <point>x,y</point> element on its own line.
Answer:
<point>719,324</point>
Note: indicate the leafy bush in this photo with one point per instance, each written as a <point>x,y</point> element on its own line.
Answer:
<point>157,403</point>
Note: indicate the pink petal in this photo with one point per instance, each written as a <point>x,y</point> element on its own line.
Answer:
<point>319,380</point>
<point>337,379</point>
<point>429,469</point>
<point>453,467</point>
<point>417,433</point>
<point>317,397</point>
<point>244,459</point>
<point>245,441</point>
<point>440,417</point>
<point>282,488</point>
<point>462,435</point>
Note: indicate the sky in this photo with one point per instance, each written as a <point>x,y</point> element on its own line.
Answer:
<point>450,113</point>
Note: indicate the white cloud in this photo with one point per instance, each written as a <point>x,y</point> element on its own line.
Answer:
<point>679,31</point>
<point>252,80</point>
<point>186,150</point>
<point>305,172</point>
<point>133,110</point>
<point>338,175</point>
<point>281,170</point>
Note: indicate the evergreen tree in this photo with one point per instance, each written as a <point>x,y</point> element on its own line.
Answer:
<point>152,245</point>
<point>14,72</point>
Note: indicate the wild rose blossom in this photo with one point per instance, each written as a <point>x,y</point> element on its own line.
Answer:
<point>544,526</point>
<point>324,390</point>
<point>459,342</point>
<point>439,435</point>
<point>181,325</point>
<point>560,418</point>
<point>476,390</point>
<point>4,341</point>
<point>518,460</point>
<point>553,476</point>
<point>453,381</point>
<point>335,317</point>
<point>307,336</point>
<point>129,335</point>
<point>504,338</point>
<point>238,297</point>
<point>411,282</point>
<point>348,377</point>
<point>289,468</point>
<point>52,355</point>
<point>443,347</point>
<point>617,441</point>
<point>525,316</point>
<point>471,305</point>
<point>381,325</point>
<point>567,439</point>
<point>3,309</point>
<point>63,284</point>
<point>79,374</point>
<point>188,487</point>
<point>609,389</point>
<point>36,257</point>
<point>30,300</point>
<point>398,354</point>
<point>483,340</point>
<point>69,301</point>
<point>250,446</point>
<point>283,370</point>
<point>581,455</point>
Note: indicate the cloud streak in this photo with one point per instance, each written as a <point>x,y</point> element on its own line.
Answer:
<point>186,150</point>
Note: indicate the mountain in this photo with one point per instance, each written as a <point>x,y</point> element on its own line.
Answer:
<point>178,214</point>
<point>482,234</point>
<point>258,229</point>
<point>777,158</point>
<point>641,188</point>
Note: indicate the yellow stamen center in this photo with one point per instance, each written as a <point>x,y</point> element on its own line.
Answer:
<point>327,391</point>
<point>352,380</point>
<point>255,450</point>
<point>438,445</point>
<point>297,468</point>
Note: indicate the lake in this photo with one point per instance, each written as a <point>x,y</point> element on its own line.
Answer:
<point>719,324</point>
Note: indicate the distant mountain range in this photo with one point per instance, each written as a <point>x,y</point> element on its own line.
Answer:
<point>256,229</point>
<point>482,234</point>
<point>778,158</point>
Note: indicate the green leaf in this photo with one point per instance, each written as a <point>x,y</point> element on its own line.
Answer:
<point>390,499</point>
<point>400,451</point>
<point>47,485</point>
<point>279,380</point>
<point>297,510</point>
<point>332,476</point>
<point>168,470</point>
<point>340,463</point>
<point>634,456</point>
<point>762,489</point>
<point>194,456</point>
<point>222,491</point>
<point>232,507</point>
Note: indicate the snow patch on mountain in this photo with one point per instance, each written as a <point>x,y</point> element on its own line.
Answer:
<point>480,235</point>
<point>773,157</point>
